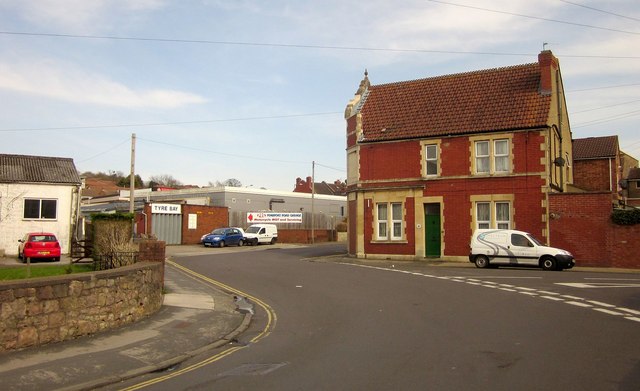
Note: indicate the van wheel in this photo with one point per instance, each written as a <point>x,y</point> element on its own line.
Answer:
<point>482,261</point>
<point>548,263</point>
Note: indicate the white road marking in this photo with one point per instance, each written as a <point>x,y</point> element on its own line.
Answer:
<point>629,310</point>
<point>608,311</point>
<point>599,306</point>
<point>579,304</point>
<point>583,285</point>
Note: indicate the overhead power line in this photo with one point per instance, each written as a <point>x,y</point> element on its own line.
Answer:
<point>140,125</point>
<point>302,46</point>
<point>535,17</point>
<point>599,10</point>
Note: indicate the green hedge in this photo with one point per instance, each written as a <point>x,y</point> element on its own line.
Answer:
<point>626,217</point>
<point>119,216</point>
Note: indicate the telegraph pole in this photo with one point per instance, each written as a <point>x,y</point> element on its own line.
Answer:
<point>313,194</point>
<point>132,180</point>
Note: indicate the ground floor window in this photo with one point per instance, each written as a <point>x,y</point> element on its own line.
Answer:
<point>389,220</point>
<point>493,215</point>
<point>41,209</point>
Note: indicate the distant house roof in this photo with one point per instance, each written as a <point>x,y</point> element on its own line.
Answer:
<point>37,169</point>
<point>595,147</point>
<point>95,187</point>
<point>337,188</point>
<point>634,173</point>
<point>481,101</point>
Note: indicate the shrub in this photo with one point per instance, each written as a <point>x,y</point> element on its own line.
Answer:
<point>626,216</point>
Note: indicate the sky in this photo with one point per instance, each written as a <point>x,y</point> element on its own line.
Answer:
<point>256,90</point>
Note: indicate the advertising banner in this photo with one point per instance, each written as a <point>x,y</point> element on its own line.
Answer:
<point>274,217</point>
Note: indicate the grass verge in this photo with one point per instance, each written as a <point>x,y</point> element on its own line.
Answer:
<point>17,273</point>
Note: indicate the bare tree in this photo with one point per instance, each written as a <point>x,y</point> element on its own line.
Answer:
<point>231,182</point>
<point>164,180</point>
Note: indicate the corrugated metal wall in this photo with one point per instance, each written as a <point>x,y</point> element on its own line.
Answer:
<point>167,227</point>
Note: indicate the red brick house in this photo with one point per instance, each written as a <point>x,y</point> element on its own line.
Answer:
<point>430,160</point>
<point>633,187</point>
<point>337,188</point>
<point>597,165</point>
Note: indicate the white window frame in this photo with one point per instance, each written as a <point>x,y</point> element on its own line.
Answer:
<point>389,220</point>
<point>382,222</point>
<point>40,209</point>
<point>432,159</point>
<point>493,222</point>
<point>483,223</point>
<point>502,223</point>
<point>490,159</point>
<point>483,157</point>
<point>504,156</point>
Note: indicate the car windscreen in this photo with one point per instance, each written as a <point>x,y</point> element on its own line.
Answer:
<point>534,240</point>
<point>219,231</point>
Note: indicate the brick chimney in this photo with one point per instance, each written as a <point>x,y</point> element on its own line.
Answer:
<point>549,65</point>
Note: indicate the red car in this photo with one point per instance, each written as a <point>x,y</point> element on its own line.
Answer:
<point>40,245</point>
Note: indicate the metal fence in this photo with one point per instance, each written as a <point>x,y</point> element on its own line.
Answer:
<point>114,260</point>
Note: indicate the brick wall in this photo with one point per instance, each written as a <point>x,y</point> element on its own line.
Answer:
<point>208,218</point>
<point>390,160</point>
<point>592,175</point>
<point>581,223</point>
<point>52,309</point>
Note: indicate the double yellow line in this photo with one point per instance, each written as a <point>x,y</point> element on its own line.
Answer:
<point>271,322</point>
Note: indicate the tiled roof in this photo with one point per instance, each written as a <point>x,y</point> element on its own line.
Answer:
<point>37,169</point>
<point>634,173</point>
<point>95,187</point>
<point>595,147</point>
<point>482,101</point>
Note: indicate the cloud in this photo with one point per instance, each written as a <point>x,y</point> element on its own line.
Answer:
<point>78,15</point>
<point>67,82</point>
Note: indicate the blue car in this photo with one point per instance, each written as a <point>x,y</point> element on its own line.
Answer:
<point>221,237</point>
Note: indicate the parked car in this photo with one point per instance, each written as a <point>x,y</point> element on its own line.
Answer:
<point>39,245</point>
<point>506,247</point>
<point>261,233</point>
<point>221,237</point>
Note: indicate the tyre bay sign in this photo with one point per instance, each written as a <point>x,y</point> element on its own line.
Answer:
<point>274,217</point>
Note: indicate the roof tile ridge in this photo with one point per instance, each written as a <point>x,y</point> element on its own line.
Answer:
<point>457,75</point>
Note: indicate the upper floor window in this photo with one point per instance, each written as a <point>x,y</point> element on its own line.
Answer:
<point>431,153</point>
<point>389,221</point>
<point>41,209</point>
<point>492,156</point>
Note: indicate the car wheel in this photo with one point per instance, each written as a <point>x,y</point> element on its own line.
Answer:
<point>221,243</point>
<point>240,243</point>
<point>482,261</point>
<point>56,259</point>
<point>548,263</point>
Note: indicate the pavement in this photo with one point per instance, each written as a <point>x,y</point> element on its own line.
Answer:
<point>194,318</point>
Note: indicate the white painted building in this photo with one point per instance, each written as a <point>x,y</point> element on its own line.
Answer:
<point>37,194</point>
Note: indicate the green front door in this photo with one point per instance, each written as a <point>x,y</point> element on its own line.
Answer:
<point>432,230</point>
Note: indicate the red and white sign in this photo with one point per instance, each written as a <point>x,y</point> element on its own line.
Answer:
<point>274,217</point>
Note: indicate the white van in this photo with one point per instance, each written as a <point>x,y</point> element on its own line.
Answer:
<point>506,247</point>
<point>261,233</point>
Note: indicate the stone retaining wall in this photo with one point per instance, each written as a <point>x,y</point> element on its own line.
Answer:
<point>52,309</point>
